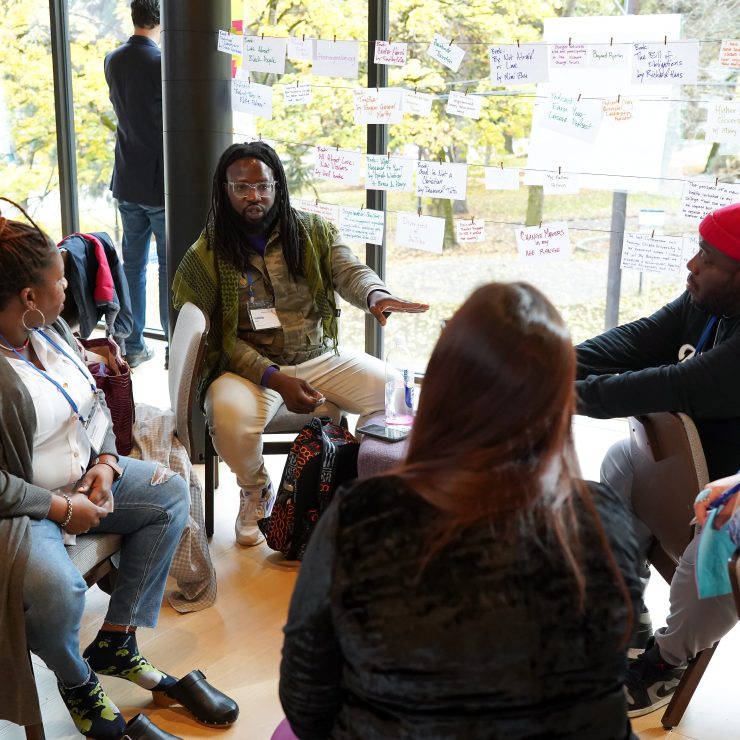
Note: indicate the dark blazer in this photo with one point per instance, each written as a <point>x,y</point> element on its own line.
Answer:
<point>134,75</point>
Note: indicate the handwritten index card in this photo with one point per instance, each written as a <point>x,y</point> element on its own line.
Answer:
<point>336,59</point>
<point>701,198</point>
<point>467,106</point>
<point>362,224</point>
<point>337,165</point>
<point>301,49</point>
<point>723,122</point>
<point>647,253</point>
<point>566,114</point>
<point>665,64</point>
<point>230,43</point>
<point>297,94</point>
<point>546,242</point>
<point>264,55</point>
<point>512,64</point>
<point>561,183</point>
<point>470,231</point>
<point>420,232</point>
<point>378,105</point>
<point>441,179</point>
<point>389,173</point>
<point>250,97</point>
<point>418,104</point>
<point>601,56</point>
<point>497,178</point>
<point>445,52</point>
<point>729,54</point>
<point>326,210</point>
<point>390,53</point>
<point>567,56</point>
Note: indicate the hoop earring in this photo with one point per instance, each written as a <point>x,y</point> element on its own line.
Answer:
<point>31,328</point>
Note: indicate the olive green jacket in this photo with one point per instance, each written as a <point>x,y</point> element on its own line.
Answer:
<point>212,284</point>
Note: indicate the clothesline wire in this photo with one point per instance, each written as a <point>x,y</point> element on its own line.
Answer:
<point>560,171</point>
<point>483,93</point>
<point>573,41</point>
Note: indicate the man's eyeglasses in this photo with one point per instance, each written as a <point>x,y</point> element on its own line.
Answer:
<point>243,189</point>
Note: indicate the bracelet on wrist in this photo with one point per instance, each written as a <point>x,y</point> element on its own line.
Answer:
<point>68,516</point>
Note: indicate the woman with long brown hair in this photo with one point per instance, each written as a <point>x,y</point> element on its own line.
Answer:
<point>481,589</point>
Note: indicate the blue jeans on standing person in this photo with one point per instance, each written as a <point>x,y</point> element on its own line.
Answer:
<point>151,507</point>
<point>139,223</point>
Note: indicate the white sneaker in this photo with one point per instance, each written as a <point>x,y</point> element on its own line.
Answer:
<point>253,505</point>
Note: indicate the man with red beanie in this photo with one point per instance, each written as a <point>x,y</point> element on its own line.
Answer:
<point>685,357</point>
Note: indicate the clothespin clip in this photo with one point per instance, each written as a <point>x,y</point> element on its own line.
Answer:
<point>569,40</point>
<point>579,98</point>
<point>389,154</point>
<point>517,43</point>
<point>653,234</point>
<point>259,137</point>
<point>472,220</point>
<point>665,40</point>
<point>716,181</point>
<point>335,38</point>
<point>362,206</point>
<point>440,159</point>
<point>249,80</point>
<point>419,212</point>
<point>558,169</point>
<point>377,90</point>
<point>415,89</point>
<point>304,37</point>
<point>263,36</point>
<point>611,41</point>
<point>618,98</point>
<point>502,164</point>
<point>296,83</point>
<point>317,201</point>
<point>466,91</point>
<point>452,41</point>
<point>540,224</point>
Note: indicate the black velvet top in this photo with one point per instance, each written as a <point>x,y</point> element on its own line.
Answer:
<point>486,641</point>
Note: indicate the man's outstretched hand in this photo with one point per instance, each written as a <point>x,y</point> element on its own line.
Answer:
<point>381,305</point>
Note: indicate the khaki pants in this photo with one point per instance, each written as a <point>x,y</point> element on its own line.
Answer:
<point>238,410</point>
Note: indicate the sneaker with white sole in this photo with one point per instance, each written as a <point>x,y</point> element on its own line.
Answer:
<point>253,505</point>
<point>650,681</point>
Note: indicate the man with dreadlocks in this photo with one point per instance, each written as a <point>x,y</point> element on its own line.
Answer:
<point>266,274</point>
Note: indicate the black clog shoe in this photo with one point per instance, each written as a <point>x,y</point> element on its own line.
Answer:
<point>206,703</point>
<point>141,727</point>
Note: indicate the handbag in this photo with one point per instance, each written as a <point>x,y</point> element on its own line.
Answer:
<point>323,457</point>
<point>113,377</point>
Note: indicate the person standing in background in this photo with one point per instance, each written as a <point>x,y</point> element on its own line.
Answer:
<point>134,75</point>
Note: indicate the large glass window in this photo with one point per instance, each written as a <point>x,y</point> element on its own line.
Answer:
<point>28,164</point>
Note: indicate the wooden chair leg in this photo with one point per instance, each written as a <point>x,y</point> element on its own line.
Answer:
<point>686,687</point>
<point>35,732</point>
<point>211,483</point>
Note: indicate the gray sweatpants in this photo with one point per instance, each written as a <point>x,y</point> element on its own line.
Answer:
<point>693,623</point>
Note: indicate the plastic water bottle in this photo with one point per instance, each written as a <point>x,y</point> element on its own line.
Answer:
<point>399,386</point>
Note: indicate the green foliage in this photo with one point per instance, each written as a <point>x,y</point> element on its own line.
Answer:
<point>30,173</point>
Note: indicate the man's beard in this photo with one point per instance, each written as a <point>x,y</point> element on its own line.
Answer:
<point>264,225</point>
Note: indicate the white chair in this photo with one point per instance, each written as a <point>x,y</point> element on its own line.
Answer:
<point>187,352</point>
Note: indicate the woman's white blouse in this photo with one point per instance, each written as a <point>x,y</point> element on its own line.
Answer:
<point>61,448</point>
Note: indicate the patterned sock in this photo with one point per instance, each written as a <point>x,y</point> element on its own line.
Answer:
<point>116,654</point>
<point>93,713</point>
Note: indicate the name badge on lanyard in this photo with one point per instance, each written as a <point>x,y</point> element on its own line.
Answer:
<point>96,426</point>
<point>262,314</point>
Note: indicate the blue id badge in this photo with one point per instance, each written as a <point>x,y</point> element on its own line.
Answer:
<point>715,549</point>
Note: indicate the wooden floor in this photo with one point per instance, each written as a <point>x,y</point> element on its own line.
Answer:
<point>237,641</point>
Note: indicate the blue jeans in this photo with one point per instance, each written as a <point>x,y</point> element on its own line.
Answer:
<point>150,511</point>
<point>139,222</point>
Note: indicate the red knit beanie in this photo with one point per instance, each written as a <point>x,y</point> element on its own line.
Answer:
<point>722,230</point>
